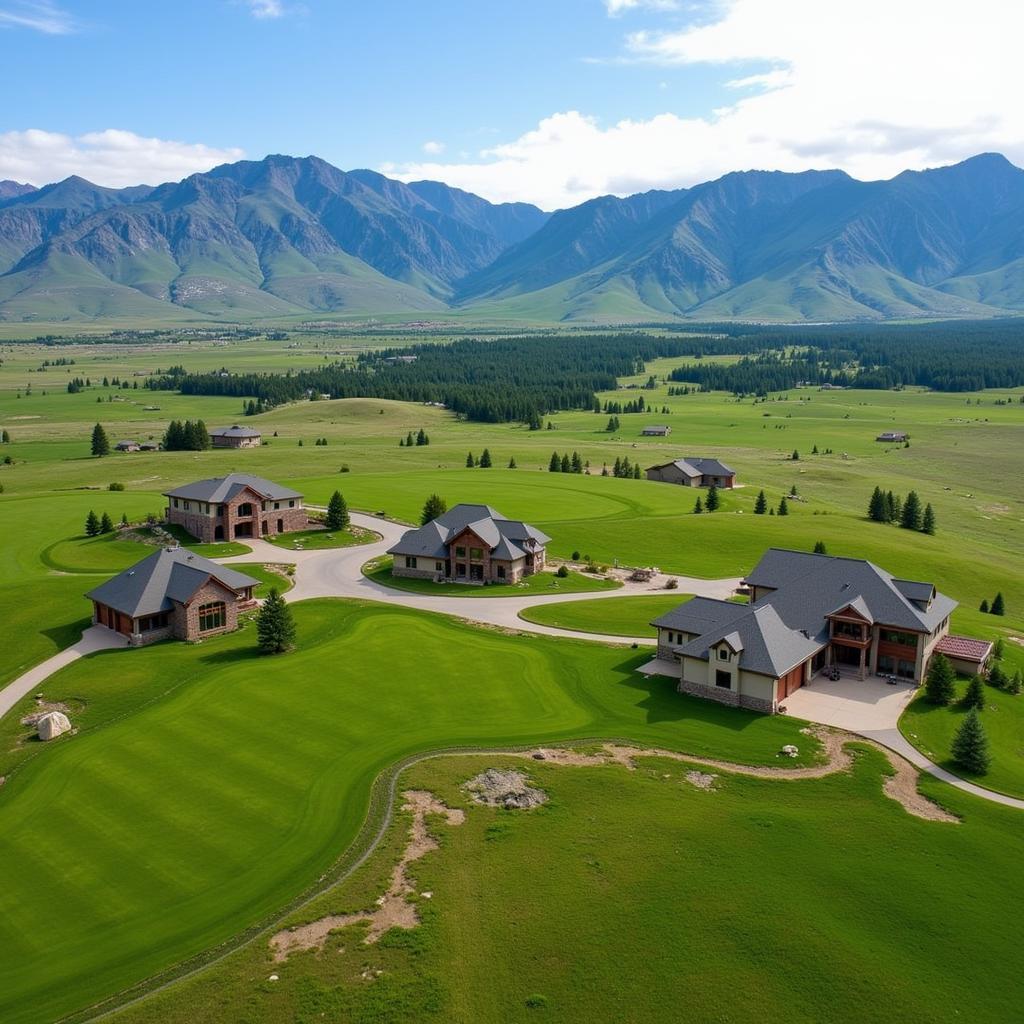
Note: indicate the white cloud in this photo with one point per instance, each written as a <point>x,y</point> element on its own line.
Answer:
<point>38,15</point>
<point>872,89</point>
<point>617,7</point>
<point>266,8</point>
<point>433,147</point>
<point>112,157</point>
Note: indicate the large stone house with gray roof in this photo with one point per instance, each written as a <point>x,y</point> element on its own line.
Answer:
<point>471,544</point>
<point>172,593</point>
<point>694,472</point>
<point>235,507</point>
<point>806,613</point>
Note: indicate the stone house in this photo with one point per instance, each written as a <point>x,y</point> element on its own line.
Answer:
<point>172,593</point>
<point>694,472</point>
<point>236,437</point>
<point>471,544</point>
<point>235,507</point>
<point>127,446</point>
<point>806,613</point>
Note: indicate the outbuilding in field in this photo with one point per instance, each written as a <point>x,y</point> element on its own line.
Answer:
<point>893,435</point>
<point>236,437</point>
<point>692,472</point>
<point>656,431</point>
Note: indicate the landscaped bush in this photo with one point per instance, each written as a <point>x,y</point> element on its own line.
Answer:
<point>562,571</point>
<point>115,487</point>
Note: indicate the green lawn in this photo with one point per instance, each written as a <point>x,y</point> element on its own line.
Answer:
<point>930,728</point>
<point>268,577</point>
<point>610,904</point>
<point>621,616</point>
<point>317,540</point>
<point>151,836</point>
<point>379,570</point>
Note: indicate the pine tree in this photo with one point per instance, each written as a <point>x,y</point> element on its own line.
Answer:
<point>970,745</point>
<point>983,607</point>
<point>617,467</point>
<point>938,686</point>
<point>996,676</point>
<point>485,459</point>
<point>819,548</point>
<point>512,463</point>
<point>100,441</point>
<point>636,471</point>
<point>1016,684</point>
<point>409,442</point>
<point>566,463</point>
<point>92,524</point>
<point>698,506</point>
<point>711,502</point>
<point>470,461</point>
<point>911,518</point>
<point>421,437</point>
<point>783,506</point>
<point>998,605</point>
<point>124,519</point>
<point>877,511</point>
<point>928,520</point>
<point>106,523</point>
<point>433,507</point>
<point>555,465</point>
<point>814,450</point>
<point>974,695</point>
<point>760,505</point>
<point>203,442</point>
<point>337,517</point>
<point>275,628</point>
<point>897,508</point>
<point>401,442</point>
<point>795,456</point>
<point>576,463</point>
<point>793,491</point>
<point>190,441</point>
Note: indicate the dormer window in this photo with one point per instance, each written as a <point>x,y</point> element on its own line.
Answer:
<point>723,654</point>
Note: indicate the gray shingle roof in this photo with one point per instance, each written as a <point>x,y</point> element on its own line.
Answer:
<point>167,576</point>
<point>699,467</point>
<point>505,538</point>
<point>235,431</point>
<point>223,488</point>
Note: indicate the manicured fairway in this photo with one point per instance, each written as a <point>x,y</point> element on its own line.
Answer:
<point>617,616</point>
<point>539,583</point>
<point>237,780</point>
<point>633,896</point>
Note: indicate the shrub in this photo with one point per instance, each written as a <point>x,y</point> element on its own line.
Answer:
<point>344,468</point>
<point>115,487</point>
<point>671,583</point>
<point>575,556</point>
<point>536,1002</point>
<point>562,572</point>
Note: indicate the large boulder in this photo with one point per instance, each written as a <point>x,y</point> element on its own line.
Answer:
<point>52,725</point>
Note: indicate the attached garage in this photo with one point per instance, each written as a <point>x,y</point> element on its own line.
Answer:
<point>791,681</point>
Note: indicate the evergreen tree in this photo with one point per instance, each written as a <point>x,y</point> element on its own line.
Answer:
<point>698,506</point>
<point>998,649</point>
<point>897,508</point>
<point>814,450</point>
<point>996,676</point>
<point>470,461</point>
<point>974,695</point>
<point>100,441</point>
<point>190,440</point>
<point>124,519</point>
<point>5,438</point>
<point>761,504</point>
<point>783,506</point>
<point>92,524</point>
<point>577,463</point>
<point>928,519</point>
<point>421,437</point>
<point>819,548</point>
<point>938,686</point>
<point>793,491</point>
<point>617,467</point>
<point>106,523</point>
<point>566,464</point>
<point>534,421</point>
<point>409,442</point>
<point>1016,683</point>
<point>512,463</point>
<point>711,502</point>
<point>636,471</point>
<point>911,518</point>
<point>203,442</point>
<point>998,605</point>
<point>877,509</point>
<point>555,465</point>
<point>983,607</point>
<point>337,517</point>
<point>485,459</point>
<point>433,507</point>
<point>795,456</point>
<point>970,744</point>
<point>275,628</point>
<point>401,442</point>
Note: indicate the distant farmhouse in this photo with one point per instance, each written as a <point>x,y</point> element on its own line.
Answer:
<point>128,446</point>
<point>471,544</point>
<point>893,435</point>
<point>234,507</point>
<point>808,612</point>
<point>172,593</point>
<point>656,431</point>
<point>694,473</point>
<point>236,437</point>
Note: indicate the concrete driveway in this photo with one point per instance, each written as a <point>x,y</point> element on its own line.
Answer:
<point>857,705</point>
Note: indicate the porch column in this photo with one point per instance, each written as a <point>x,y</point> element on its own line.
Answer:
<point>862,663</point>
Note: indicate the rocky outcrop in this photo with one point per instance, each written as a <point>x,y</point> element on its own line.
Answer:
<point>52,725</point>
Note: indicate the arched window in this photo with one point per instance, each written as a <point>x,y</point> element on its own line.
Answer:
<point>245,509</point>
<point>212,616</point>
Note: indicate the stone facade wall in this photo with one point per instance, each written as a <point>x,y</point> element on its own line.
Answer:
<point>724,696</point>
<point>151,636</point>
<point>203,526</point>
<point>185,618</point>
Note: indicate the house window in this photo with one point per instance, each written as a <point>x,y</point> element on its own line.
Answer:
<point>476,553</point>
<point>723,654</point>
<point>187,506</point>
<point>212,616</point>
<point>891,636</point>
<point>410,562</point>
<point>245,509</point>
<point>291,504</point>
<point>723,679</point>
<point>460,552</point>
<point>277,505</point>
<point>501,572</point>
<point>174,501</point>
<point>439,567</point>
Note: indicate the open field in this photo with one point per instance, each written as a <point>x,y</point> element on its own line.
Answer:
<point>170,857</point>
<point>614,892</point>
<point>617,616</point>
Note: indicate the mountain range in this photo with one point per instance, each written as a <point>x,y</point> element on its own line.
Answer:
<point>287,237</point>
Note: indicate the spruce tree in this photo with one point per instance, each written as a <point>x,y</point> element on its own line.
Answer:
<point>433,507</point>
<point>698,506</point>
<point>92,524</point>
<point>998,605</point>
<point>783,506</point>
<point>711,502</point>
<point>512,463</point>
<point>911,519</point>
<point>876,506</point>
<point>470,461</point>
<point>1015,684</point>
<point>409,442</point>
<point>819,548</point>
<point>124,519</point>
<point>938,686</point>
<point>983,607</point>
<point>190,440</point>
<point>555,465</point>
<point>928,520</point>
<point>275,628</point>
<point>970,745</point>
<point>576,463</point>
<point>100,441</point>
<point>636,471</point>
<point>974,695</point>
<point>485,459</point>
<point>337,517</point>
<point>566,463</point>
<point>106,523</point>
<point>203,442</point>
<point>760,505</point>
<point>795,456</point>
<point>996,676</point>
<point>421,437</point>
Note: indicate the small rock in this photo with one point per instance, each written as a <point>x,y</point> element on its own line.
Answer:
<point>52,725</point>
<point>427,895</point>
<point>540,756</point>
<point>273,977</point>
<point>790,751</point>
<point>508,789</point>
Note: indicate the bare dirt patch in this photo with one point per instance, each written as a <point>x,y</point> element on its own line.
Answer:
<point>510,789</point>
<point>702,780</point>
<point>43,708</point>
<point>393,909</point>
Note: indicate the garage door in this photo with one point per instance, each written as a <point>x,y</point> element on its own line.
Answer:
<point>791,681</point>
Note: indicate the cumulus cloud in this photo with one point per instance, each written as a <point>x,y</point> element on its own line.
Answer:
<point>37,15</point>
<point>112,157</point>
<point>617,7</point>
<point>433,147</point>
<point>873,88</point>
<point>266,8</point>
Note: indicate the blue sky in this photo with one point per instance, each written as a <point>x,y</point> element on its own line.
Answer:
<point>548,100</point>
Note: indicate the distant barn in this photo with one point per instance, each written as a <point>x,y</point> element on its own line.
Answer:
<point>893,435</point>
<point>656,431</point>
<point>694,473</point>
<point>236,437</point>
